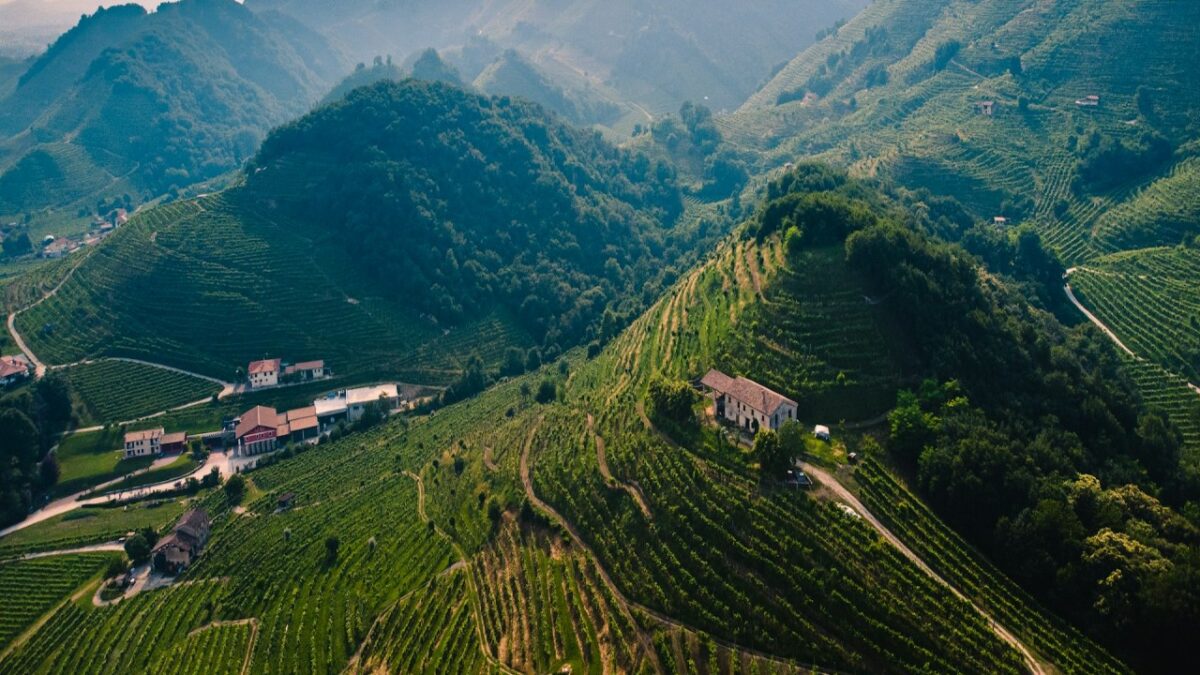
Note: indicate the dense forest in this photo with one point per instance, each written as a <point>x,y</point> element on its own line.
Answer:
<point>458,202</point>
<point>30,421</point>
<point>1025,434</point>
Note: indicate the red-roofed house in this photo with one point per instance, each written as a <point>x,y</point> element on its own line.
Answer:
<point>748,404</point>
<point>12,370</point>
<point>263,373</point>
<point>258,430</point>
<point>306,371</point>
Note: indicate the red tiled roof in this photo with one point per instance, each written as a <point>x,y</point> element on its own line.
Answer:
<point>307,365</point>
<point>303,424</point>
<point>174,439</point>
<point>148,434</point>
<point>747,391</point>
<point>258,416</point>
<point>301,413</point>
<point>10,366</point>
<point>265,366</point>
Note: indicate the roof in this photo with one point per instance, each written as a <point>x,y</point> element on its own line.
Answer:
<point>747,391</point>
<point>10,366</point>
<point>284,429</point>
<point>330,406</point>
<point>364,395</point>
<point>172,439</point>
<point>287,497</point>
<point>258,416</point>
<point>304,424</point>
<point>306,365</point>
<point>196,518</point>
<point>266,366</point>
<point>146,435</point>
<point>301,413</point>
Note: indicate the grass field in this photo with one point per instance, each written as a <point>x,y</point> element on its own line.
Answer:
<point>90,525</point>
<point>92,458</point>
<point>180,466</point>
<point>119,391</point>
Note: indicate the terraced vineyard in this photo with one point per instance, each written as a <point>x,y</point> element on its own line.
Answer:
<point>1150,299</point>
<point>90,525</point>
<point>180,281</point>
<point>118,391</point>
<point>216,649</point>
<point>31,588</point>
<point>1164,213</point>
<point>954,559</point>
<point>1172,394</point>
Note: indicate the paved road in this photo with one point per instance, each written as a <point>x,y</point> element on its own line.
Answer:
<point>1095,320</point>
<point>221,461</point>
<point>94,548</point>
<point>827,480</point>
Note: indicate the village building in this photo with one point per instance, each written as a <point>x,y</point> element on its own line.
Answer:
<point>1089,101</point>
<point>331,409</point>
<point>747,404</point>
<point>143,443</point>
<point>303,424</point>
<point>306,371</point>
<point>12,370</point>
<point>178,550</point>
<point>1000,220</point>
<point>263,373</point>
<point>175,443</point>
<point>357,400</point>
<point>58,248</point>
<point>987,108</point>
<point>258,431</point>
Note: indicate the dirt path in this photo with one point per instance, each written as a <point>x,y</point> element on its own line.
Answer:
<point>38,366</point>
<point>828,481</point>
<point>112,546</point>
<point>1095,320</point>
<point>602,459</point>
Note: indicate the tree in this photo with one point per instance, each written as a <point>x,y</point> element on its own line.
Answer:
<point>547,391</point>
<point>912,429</point>
<point>792,437</point>
<point>150,534</point>
<point>514,362</point>
<point>671,400</point>
<point>17,244</point>
<point>138,549</point>
<point>773,458</point>
<point>48,471</point>
<point>332,544</point>
<point>533,360</point>
<point>235,488</point>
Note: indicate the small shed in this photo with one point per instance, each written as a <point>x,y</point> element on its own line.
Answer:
<point>286,500</point>
<point>821,432</point>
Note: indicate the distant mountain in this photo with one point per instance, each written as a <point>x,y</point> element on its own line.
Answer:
<point>402,210</point>
<point>657,54</point>
<point>137,103</point>
<point>513,74</point>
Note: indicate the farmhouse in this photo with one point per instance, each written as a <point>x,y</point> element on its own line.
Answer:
<point>143,443</point>
<point>306,371</point>
<point>302,424</point>
<point>258,430</point>
<point>748,404</point>
<point>330,409</point>
<point>1089,101</point>
<point>173,443</point>
<point>987,108</point>
<point>1000,220</point>
<point>12,370</point>
<point>263,373</point>
<point>176,551</point>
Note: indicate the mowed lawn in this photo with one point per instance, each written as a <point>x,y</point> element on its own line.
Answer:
<point>94,457</point>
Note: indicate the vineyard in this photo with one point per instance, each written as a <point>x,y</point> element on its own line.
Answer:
<point>179,281</point>
<point>955,560</point>
<point>216,649</point>
<point>31,588</point>
<point>118,391</point>
<point>1150,299</point>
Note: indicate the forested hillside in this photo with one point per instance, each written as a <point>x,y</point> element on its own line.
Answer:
<point>128,105</point>
<point>372,225</point>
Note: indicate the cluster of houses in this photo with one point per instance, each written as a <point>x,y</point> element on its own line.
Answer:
<point>1089,101</point>
<point>57,247</point>
<point>13,370</point>
<point>262,429</point>
<point>272,372</point>
<point>176,552</point>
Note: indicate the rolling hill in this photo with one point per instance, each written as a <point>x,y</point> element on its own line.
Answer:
<point>129,105</point>
<point>373,253</point>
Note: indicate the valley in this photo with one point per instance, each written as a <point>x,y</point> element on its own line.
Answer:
<point>575,337</point>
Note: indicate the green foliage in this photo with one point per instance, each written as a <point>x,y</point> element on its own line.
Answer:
<point>32,587</point>
<point>547,391</point>
<point>117,391</point>
<point>1106,162</point>
<point>235,489</point>
<point>137,548</point>
<point>671,400</point>
<point>777,452</point>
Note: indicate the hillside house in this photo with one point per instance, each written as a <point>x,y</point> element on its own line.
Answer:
<point>302,424</point>
<point>1089,101</point>
<point>143,443</point>
<point>175,552</point>
<point>12,370</point>
<point>1000,220</point>
<point>306,371</point>
<point>263,373</point>
<point>58,248</point>
<point>258,431</point>
<point>357,400</point>
<point>331,409</point>
<point>747,404</point>
<point>171,444</point>
<point>987,108</point>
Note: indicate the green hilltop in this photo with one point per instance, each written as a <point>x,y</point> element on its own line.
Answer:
<point>356,239</point>
<point>129,105</point>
